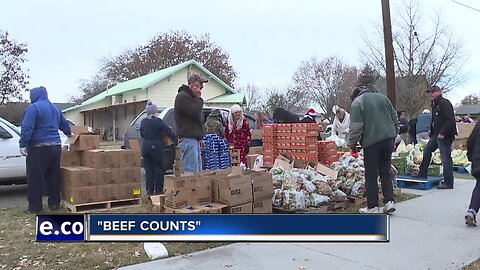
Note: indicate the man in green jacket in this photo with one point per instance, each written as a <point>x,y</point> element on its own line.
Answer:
<point>188,117</point>
<point>374,123</point>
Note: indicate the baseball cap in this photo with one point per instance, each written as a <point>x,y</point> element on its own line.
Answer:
<point>197,78</point>
<point>434,88</point>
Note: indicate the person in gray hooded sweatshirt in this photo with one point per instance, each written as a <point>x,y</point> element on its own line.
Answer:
<point>40,143</point>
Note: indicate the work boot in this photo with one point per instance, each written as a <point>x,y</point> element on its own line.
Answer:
<point>445,186</point>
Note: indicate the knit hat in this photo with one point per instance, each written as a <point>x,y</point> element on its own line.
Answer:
<point>311,113</point>
<point>151,108</point>
<point>426,111</point>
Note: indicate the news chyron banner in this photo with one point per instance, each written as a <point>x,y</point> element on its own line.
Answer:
<point>212,227</point>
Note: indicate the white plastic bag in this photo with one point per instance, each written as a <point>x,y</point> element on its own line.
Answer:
<point>155,250</point>
<point>258,162</point>
<point>338,142</point>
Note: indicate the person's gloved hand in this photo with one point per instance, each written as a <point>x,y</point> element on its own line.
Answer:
<point>353,152</point>
<point>23,151</point>
<point>71,135</point>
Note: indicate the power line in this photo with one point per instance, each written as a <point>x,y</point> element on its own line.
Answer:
<point>472,8</point>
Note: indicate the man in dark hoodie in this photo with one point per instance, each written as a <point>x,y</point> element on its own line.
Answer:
<point>40,143</point>
<point>188,117</point>
<point>373,123</point>
<point>442,134</point>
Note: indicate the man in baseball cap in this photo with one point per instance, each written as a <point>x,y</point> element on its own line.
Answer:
<point>442,134</point>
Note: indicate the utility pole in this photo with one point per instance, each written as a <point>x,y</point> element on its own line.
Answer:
<point>387,37</point>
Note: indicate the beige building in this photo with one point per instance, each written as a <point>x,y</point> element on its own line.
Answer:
<point>111,112</point>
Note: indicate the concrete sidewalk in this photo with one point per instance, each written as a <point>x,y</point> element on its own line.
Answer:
<point>427,232</point>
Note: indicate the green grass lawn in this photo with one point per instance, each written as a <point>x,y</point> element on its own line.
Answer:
<point>19,250</point>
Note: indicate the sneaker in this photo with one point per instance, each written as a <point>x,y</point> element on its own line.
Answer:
<point>470,218</point>
<point>389,207</point>
<point>366,210</point>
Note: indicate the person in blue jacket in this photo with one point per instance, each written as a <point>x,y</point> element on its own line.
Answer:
<point>40,143</point>
<point>152,130</point>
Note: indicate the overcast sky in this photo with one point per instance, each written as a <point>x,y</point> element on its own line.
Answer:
<point>266,39</point>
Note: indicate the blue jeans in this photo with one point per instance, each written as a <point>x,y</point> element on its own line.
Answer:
<point>191,154</point>
<point>445,147</point>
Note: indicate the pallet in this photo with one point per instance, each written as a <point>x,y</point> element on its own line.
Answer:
<point>102,206</point>
<point>460,169</point>
<point>418,183</point>
<point>328,208</point>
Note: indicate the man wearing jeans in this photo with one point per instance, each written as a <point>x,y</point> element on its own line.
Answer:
<point>374,123</point>
<point>188,117</point>
<point>442,134</point>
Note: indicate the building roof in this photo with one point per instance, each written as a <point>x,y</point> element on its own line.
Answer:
<point>238,98</point>
<point>467,109</point>
<point>146,81</point>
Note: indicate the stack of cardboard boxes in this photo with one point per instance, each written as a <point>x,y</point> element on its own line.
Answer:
<point>327,152</point>
<point>232,191</point>
<point>303,143</point>
<point>464,130</point>
<point>189,194</point>
<point>269,138</point>
<point>93,175</point>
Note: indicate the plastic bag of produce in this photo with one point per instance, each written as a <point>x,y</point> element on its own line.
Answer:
<point>323,188</point>
<point>293,200</point>
<point>338,196</point>
<point>277,199</point>
<point>309,186</point>
<point>358,189</point>
<point>317,199</point>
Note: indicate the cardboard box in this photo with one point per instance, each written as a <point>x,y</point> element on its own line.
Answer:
<point>134,145</point>
<point>239,209</point>
<point>129,158</point>
<point>157,203</point>
<point>181,197</point>
<point>107,176</point>
<point>262,186</point>
<point>282,161</point>
<point>234,190</point>
<point>460,144</point>
<point>464,130</point>
<point>130,190</point>
<point>100,158</point>
<point>256,150</point>
<point>83,142</point>
<point>251,160</point>
<point>213,208</point>
<point>109,192</point>
<point>78,176</point>
<point>71,158</point>
<point>80,195</point>
<point>186,181</point>
<point>129,175</point>
<point>263,207</point>
<point>80,130</point>
<point>185,210</point>
<point>327,171</point>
